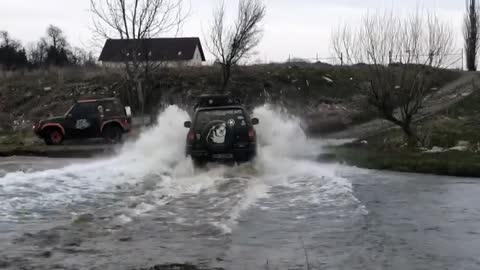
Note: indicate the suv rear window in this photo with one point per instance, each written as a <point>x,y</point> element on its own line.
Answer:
<point>207,116</point>
<point>81,110</point>
<point>112,108</point>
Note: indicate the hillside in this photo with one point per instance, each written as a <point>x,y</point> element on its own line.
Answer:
<point>438,103</point>
<point>325,96</point>
<point>448,130</point>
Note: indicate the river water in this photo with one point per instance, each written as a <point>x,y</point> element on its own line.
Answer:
<point>147,206</point>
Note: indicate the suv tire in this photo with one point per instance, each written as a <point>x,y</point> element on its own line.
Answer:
<point>199,163</point>
<point>112,134</point>
<point>53,137</point>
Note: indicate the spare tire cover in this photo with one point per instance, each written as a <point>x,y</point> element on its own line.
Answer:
<point>217,136</point>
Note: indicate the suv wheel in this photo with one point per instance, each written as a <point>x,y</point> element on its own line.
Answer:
<point>199,163</point>
<point>53,137</point>
<point>112,134</point>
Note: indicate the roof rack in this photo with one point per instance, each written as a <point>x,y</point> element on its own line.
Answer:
<point>216,101</point>
<point>96,100</point>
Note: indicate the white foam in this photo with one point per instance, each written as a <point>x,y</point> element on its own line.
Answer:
<point>121,220</point>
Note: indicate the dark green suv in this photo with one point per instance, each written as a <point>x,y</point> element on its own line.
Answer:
<point>95,118</point>
<point>221,131</point>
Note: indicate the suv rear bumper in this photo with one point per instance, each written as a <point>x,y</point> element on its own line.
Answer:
<point>238,154</point>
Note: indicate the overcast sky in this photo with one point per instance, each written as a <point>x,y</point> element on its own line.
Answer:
<point>300,28</point>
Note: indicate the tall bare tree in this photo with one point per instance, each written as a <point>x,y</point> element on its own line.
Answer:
<point>56,38</point>
<point>37,52</point>
<point>7,41</point>
<point>136,20</point>
<point>58,49</point>
<point>12,53</point>
<point>231,44</point>
<point>401,54</point>
<point>471,33</point>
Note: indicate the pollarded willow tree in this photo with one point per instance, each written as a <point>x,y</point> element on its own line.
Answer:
<point>134,20</point>
<point>401,53</point>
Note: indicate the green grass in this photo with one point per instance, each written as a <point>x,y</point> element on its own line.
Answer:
<point>468,107</point>
<point>455,163</point>
<point>12,139</point>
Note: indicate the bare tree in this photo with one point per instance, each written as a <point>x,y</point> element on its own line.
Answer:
<point>230,45</point>
<point>343,40</point>
<point>37,52</point>
<point>5,38</point>
<point>58,48</point>
<point>401,54</point>
<point>471,34</point>
<point>12,53</point>
<point>136,20</point>
<point>56,38</point>
<point>7,41</point>
<point>80,57</point>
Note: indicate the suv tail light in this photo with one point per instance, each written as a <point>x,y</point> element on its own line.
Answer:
<point>252,135</point>
<point>191,137</point>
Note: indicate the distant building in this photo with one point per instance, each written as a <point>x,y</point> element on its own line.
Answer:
<point>170,52</point>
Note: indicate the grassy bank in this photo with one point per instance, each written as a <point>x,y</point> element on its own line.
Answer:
<point>454,163</point>
<point>449,144</point>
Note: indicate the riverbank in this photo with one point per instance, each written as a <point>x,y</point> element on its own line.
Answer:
<point>448,132</point>
<point>452,162</point>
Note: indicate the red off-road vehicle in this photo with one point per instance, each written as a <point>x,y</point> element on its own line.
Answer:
<point>96,118</point>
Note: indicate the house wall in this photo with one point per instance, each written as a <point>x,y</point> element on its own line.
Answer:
<point>197,58</point>
<point>195,61</point>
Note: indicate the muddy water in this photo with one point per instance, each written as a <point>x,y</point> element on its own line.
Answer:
<point>146,206</point>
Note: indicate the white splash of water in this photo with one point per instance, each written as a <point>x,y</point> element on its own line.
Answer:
<point>286,157</point>
<point>157,161</point>
<point>156,152</point>
<point>287,154</point>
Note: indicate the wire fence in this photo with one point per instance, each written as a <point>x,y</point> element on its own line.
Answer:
<point>453,61</point>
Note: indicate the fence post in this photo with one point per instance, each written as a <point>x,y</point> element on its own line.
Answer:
<point>341,59</point>
<point>461,53</point>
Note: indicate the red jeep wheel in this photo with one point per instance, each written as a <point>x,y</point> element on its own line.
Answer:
<point>112,134</point>
<point>53,137</point>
